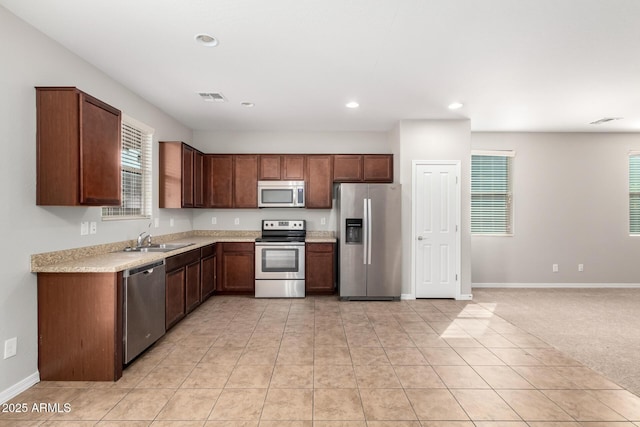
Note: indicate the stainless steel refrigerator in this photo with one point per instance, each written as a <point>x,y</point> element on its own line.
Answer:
<point>369,233</point>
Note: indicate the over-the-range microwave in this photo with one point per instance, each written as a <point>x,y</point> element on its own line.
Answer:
<point>281,194</point>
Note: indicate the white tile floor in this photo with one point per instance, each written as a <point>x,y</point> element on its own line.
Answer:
<point>238,361</point>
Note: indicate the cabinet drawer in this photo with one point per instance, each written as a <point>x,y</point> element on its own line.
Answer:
<point>238,247</point>
<point>208,250</point>
<point>319,247</point>
<point>181,260</point>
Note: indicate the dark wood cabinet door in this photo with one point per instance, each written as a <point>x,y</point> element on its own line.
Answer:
<point>269,167</point>
<point>320,267</point>
<point>207,277</point>
<point>78,149</point>
<point>174,298</point>
<point>236,266</point>
<point>347,168</point>
<point>198,180</point>
<point>319,181</point>
<point>219,180</point>
<point>188,157</point>
<point>293,167</point>
<point>192,286</point>
<point>245,181</point>
<point>378,167</point>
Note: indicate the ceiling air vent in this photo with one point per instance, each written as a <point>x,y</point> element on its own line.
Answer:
<point>605,120</point>
<point>212,97</point>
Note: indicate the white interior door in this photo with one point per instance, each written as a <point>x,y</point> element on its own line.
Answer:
<point>436,230</point>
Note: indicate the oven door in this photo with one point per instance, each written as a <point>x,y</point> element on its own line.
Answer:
<point>279,261</point>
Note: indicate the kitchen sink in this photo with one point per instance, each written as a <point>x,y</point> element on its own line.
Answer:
<point>160,247</point>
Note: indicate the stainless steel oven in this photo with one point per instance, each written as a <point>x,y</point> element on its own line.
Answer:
<point>280,258</point>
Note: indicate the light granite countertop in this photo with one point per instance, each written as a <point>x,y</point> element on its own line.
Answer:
<point>110,258</point>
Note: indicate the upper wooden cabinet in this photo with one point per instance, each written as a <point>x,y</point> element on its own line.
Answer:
<point>181,176</point>
<point>231,180</point>
<point>245,181</point>
<point>78,149</point>
<point>286,167</point>
<point>319,181</point>
<point>363,168</point>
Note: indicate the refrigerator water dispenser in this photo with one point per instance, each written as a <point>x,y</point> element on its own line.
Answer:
<point>353,231</point>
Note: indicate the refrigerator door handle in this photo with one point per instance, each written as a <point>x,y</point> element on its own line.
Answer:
<point>365,226</point>
<point>369,231</point>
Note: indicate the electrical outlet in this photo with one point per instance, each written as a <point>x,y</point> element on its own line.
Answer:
<point>214,220</point>
<point>323,221</point>
<point>10,347</point>
<point>93,227</point>
<point>580,267</point>
<point>554,268</point>
<point>171,222</point>
<point>236,221</point>
<point>84,228</point>
<point>156,222</point>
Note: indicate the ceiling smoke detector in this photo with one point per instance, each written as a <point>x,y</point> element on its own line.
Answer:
<point>207,40</point>
<point>605,120</point>
<point>212,97</point>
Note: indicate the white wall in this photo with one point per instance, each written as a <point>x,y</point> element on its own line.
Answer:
<point>570,207</point>
<point>434,140</point>
<point>281,142</point>
<point>31,59</point>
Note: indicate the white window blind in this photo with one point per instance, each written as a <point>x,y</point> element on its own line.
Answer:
<point>491,193</point>
<point>136,173</point>
<point>634,193</point>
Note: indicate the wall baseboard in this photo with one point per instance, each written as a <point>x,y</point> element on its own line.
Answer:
<point>556,285</point>
<point>407,296</point>
<point>19,387</point>
<point>465,297</point>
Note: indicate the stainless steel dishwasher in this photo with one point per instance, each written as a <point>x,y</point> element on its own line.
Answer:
<point>144,307</point>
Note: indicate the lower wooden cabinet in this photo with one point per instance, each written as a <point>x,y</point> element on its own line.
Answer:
<point>236,267</point>
<point>208,272</point>
<point>182,286</point>
<point>320,268</point>
<point>80,326</point>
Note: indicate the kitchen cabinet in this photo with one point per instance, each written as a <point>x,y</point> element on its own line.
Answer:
<point>80,326</point>
<point>319,181</point>
<point>231,180</point>
<point>320,271</point>
<point>286,167</point>
<point>219,180</point>
<point>363,168</point>
<point>182,285</point>
<point>77,149</point>
<point>207,271</point>
<point>236,267</point>
<point>181,176</point>
<point>245,181</point>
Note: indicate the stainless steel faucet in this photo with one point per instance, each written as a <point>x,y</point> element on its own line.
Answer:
<point>142,238</point>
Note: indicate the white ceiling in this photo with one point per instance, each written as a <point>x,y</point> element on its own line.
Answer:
<point>517,65</point>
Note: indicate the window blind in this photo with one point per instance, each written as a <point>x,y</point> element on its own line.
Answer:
<point>634,194</point>
<point>491,194</point>
<point>135,174</point>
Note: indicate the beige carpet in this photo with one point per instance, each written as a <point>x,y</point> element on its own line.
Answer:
<point>598,327</point>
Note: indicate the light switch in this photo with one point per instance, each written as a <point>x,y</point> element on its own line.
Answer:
<point>84,228</point>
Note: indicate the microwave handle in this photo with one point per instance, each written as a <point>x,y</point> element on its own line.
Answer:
<point>300,196</point>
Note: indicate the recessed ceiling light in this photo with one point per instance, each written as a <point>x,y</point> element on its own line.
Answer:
<point>456,105</point>
<point>248,104</point>
<point>352,104</point>
<point>207,40</point>
<point>605,120</point>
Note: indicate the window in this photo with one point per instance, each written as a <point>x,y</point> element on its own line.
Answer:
<point>491,192</point>
<point>136,172</point>
<point>634,193</point>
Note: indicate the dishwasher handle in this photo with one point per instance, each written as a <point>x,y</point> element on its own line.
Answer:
<point>145,269</point>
